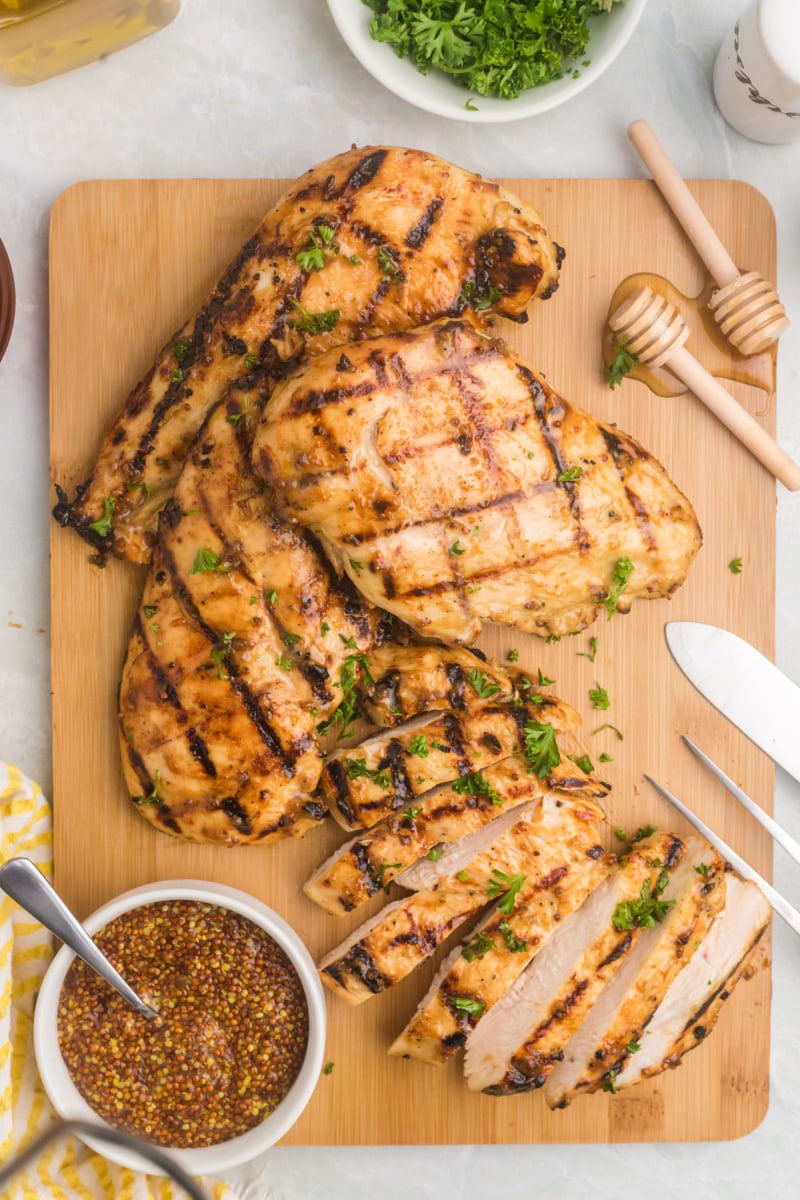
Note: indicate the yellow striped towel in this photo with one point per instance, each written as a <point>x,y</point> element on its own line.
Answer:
<point>67,1170</point>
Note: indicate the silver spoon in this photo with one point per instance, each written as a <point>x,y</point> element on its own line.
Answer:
<point>24,882</point>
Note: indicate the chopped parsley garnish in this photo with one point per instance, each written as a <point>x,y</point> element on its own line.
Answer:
<point>474,784</point>
<point>584,762</point>
<point>703,869</point>
<point>324,628</point>
<point>251,360</point>
<point>644,831</point>
<point>456,548</point>
<point>144,488</point>
<point>461,876</point>
<point>284,662</point>
<point>221,652</point>
<point>388,267</point>
<point>605,757</point>
<point>357,768</point>
<point>570,476</point>
<point>271,596</point>
<point>610,1086</point>
<point>312,256</point>
<point>481,944</point>
<point>541,748</point>
<point>735,566</point>
<point>328,1068</point>
<point>592,655</point>
<point>512,656</point>
<point>102,527</point>
<point>419,746</point>
<point>647,910</point>
<point>551,638</point>
<point>254,599</point>
<point>179,349</point>
<point>235,418</point>
<point>543,680</point>
<point>357,566</point>
<point>479,299</point>
<point>483,684</point>
<point>621,365</point>
<point>382,869</point>
<point>348,710</point>
<point>475,1008</point>
<point>619,581</point>
<point>176,376</point>
<point>153,796</point>
<point>492,49</point>
<point>613,728</point>
<point>599,697</point>
<point>435,853</point>
<point>205,561</point>
<point>314,323</point>
<point>514,944</point>
<point>150,610</point>
<point>411,813</point>
<point>291,639</point>
<point>632,1047</point>
<point>509,885</point>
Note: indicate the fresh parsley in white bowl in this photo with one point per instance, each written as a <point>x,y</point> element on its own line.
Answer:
<point>486,60</point>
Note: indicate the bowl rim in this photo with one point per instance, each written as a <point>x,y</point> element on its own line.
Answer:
<point>67,1100</point>
<point>403,79</point>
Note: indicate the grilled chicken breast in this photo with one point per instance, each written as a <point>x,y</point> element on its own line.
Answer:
<point>599,1050</point>
<point>422,677</point>
<point>392,944</point>
<point>227,675</point>
<point>375,239</point>
<point>384,773</point>
<point>454,486</point>
<point>524,1034</point>
<point>690,1008</point>
<point>370,861</point>
<point>501,947</point>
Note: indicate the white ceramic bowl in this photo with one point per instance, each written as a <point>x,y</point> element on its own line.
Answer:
<point>437,93</point>
<point>66,1098</point>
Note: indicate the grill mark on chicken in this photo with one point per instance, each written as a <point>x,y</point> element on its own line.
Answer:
<point>455,677</point>
<point>199,751</point>
<point>623,455</point>
<point>456,742</point>
<point>249,701</point>
<point>358,962</point>
<point>419,233</point>
<point>338,777</point>
<point>238,817</point>
<point>363,173</point>
<point>621,948</point>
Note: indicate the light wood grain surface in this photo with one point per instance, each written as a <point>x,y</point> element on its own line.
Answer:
<point>129,260</point>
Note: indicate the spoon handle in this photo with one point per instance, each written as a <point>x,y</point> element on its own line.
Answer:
<point>24,882</point>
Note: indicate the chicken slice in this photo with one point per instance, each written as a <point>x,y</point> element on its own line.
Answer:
<point>375,239</point>
<point>524,1034</point>
<point>599,1050</point>
<point>540,846</point>
<point>422,677</point>
<point>454,486</point>
<point>690,1008</point>
<point>227,675</point>
<point>383,774</point>
<point>370,861</point>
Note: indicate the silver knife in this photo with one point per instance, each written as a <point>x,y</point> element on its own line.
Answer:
<point>743,685</point>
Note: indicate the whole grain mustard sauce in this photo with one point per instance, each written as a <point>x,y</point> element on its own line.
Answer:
<point>229,1039</point>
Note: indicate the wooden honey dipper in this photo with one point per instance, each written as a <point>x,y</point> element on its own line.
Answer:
<point>746,307</point>
<point>654,331</point>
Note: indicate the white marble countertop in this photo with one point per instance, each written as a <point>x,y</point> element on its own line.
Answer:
<point>263,87</point>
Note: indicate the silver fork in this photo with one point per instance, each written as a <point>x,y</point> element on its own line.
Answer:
<point>781,906</point>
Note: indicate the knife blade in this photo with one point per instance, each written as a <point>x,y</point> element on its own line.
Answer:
<point>743,685</point>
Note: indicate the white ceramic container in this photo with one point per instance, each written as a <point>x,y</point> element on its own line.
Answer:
<point>757,72</point>
<point>66,1098</point>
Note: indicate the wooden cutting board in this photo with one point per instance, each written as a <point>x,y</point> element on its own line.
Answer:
<point>129,260</point>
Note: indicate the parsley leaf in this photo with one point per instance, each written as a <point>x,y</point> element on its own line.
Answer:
<point>541,748</point>
<point>619,581</point>
<point>735,566</point>
<point>467,1004</point>
<point>509,885</point>
<point>570,476</point>
<point>205,561</point>
<point>481,944</point>
<point>102,527</point>
<point>584,762</point>
<point>435,853</point>
<point>621,365</point>
<point>600,729</point>
<point>599,697</point>
<point>512,656</point>
<point>482,684</point>
<point>474,784</point>
<point>313,323</point>
<point>356,768</point>
<point>328,1068</point>
<point>592,655</point>
<point>644,912</point>
<point>456,548</point>
<point>514,944</point>
<point>153,796</point>
<point>419,746</point>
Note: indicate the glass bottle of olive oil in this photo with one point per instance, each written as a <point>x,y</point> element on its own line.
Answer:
<point>40,38</point>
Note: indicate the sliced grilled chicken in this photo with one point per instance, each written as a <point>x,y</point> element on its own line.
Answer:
<point>602,1045</point>
<point>539,846</point>
<point>370,861</point>
<point>690,1008</point>
<point>420,678</point>
<point>524,1034</point>
<point>493,958</point>
<point>227,673</point>
<point>454,486</point>
<point>386,772</point>
<point>374,239</point>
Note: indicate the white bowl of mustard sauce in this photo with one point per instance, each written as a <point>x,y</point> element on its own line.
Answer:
<point>236,1051</point>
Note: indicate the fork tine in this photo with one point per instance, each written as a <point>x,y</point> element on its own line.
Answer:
<point>782,907</point>
<point>772,827</point>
